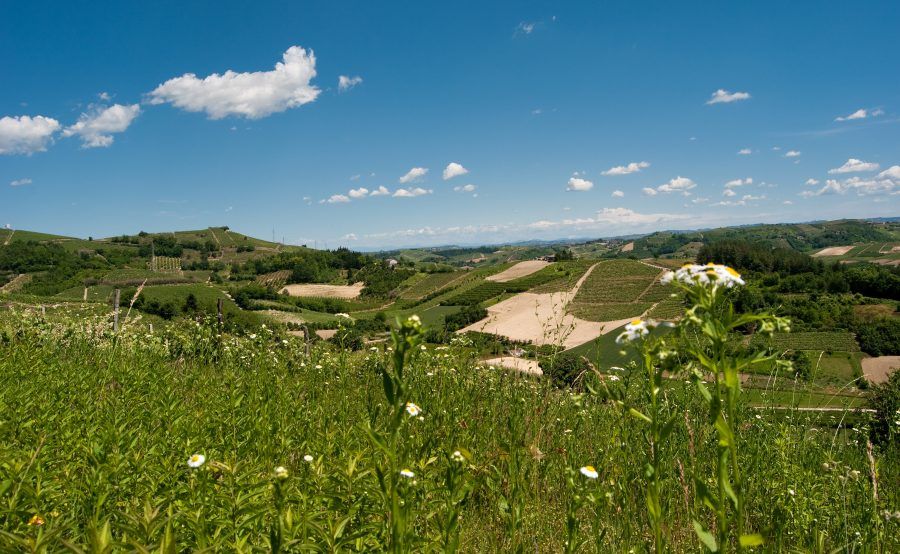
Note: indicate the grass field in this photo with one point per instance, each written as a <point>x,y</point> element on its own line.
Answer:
<point>97,435</point>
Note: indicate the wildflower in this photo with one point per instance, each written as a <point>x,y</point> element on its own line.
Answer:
<point>412,409</point>
<point>791,492</point>
<point>281,472</point>
<point>307,458</point>
<point>613,377</point>
<point>36,521</point>
<point>423,348</point>
<point>693,274</point>
<point>407,473</point>
<point>634,330</point>
<point>589,472</point>
<point>457,456</point>
<point>343,315</point>
<point>196,460</point>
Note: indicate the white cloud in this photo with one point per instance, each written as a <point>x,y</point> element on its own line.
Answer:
<point>812,182</point>
<point>465,188</point>
<point>578,184</point>
<point>633,167</point>
<point>861,186</point>
<point>739,182</point>
<point>745,152</point>
<point>526,27</point>
<point>792,154</point>
<point>410,192</point>
<point>892,172</point>
<point>699,200</point>
<point>787,203</point>
<point>649,191</point>
<point>853,166</point>
<point>858,114</point>
<point>729,192</point>
<point>861,113</point>
<point>26,135</point>
<point>20,182</point>
<point>338,199</point>
<point>606,217</point>
<point>252,94</point>
<point>96,126</point>
<point>678,184</point>
<point>380,191</point>
<point>722,96</point>
<point>454,169</point>
<point>350,236</point>
<point>104,97</point>
<point>617,194</point>
<point>414,175</point>
<point>346,83</point>
<point>742,202</point>
<point>361,192</point>
<point>355,177</point>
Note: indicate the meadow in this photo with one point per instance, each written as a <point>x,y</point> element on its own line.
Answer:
<point>191,439</point>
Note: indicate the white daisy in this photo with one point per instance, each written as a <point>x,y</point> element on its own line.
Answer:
<point>196,460</point>
<point>589,472</point>
<point>412,409</point>
<point>281,472</point>
<point>407,473</point>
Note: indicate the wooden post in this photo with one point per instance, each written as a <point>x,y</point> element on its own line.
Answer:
<point>221,317</point>
<point>116,312</point>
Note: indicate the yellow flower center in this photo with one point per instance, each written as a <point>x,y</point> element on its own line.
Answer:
<point>732,272</point>
<point>590,469</point>
<point>636,322</point>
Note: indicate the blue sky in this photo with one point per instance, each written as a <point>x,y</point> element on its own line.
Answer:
<point>582,119</point>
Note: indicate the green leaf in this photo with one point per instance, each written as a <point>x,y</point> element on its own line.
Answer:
<point>705,537</point>
<point>639,415</point>
<point>752,540</point>
<point>388,386</point>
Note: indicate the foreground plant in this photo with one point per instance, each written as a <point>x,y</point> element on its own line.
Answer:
<point>708,326</point>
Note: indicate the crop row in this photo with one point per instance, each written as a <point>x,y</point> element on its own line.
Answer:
<point>489,289</point>
<point>608,312</point>
<point>840,341</point>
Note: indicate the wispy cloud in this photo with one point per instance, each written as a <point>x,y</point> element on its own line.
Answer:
<point>861,113</point>
<point>678,184</point>
<point>745,152</point>
<point>346,83</point>
<point>411,192</point>
<point>633,167</point>
<point>413,175</point>
<point>20,182</point>
<point>853,165</point>
<point>722,96</point>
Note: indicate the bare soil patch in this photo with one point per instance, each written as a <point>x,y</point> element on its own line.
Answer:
<point>345,292</point>
<point>521,269</point>
<point>326,334</point>
<point>833,251</point>
<point>543,319</point>
<point>877,370</point>
<point>628,247</point>
<point>531,367</point>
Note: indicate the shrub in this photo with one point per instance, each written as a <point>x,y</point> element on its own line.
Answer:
<point>885,399</point>
<point>880,337</point>
<point>564,368</point>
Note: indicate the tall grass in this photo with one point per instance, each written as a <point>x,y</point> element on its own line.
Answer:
<point>305,453</point>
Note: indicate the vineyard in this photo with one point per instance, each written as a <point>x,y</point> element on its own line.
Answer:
<point>836,341</point>
<point>618,289</point>
<point>275,279</point>
<point>164,263</point>
<point>431,283</point>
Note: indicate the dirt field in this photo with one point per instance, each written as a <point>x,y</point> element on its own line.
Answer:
<point>542,319</point>
<point>327,291</point>
<point>628,247</point>
<point>833,251</point>
<point>521,269</point>
<point>530,367</point>
<point>877,370</point>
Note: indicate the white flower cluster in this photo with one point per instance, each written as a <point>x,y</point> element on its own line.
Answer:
<point>638,329</point>
<point>694,274</point>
